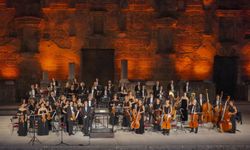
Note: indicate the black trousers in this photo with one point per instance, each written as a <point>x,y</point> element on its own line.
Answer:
<point>233,121</point>
<point>70,127</point>
<point>86,125</point>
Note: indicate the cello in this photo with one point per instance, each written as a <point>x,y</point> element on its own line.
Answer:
<point>207,110</point>
<point>193,117</point>
<point>166,120</point>
<point>225,123</point>
<point>135,124</point>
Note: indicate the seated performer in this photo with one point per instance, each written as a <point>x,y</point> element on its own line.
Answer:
<point>166,119</point>
<point>43,128</point>
<point>22,121</point>
<point>113,105</point>
<point>232,112</point>
<point>157,112</point>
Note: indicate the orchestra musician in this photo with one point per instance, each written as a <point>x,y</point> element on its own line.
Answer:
<point>138,89</point>
<point>43,128</point>
<point>149,106</point>
<point>186,88</point>
<point>126,112</point>
<point>194,110</point>
<point>157,112</point>
<point>22,120</point>
<point>86,116</point>
<point>156,88</point>
<point>171,87</point>
<point>166,119</point>
<point>82,90</point>
<point>71,117</point>
<point>184,107</point>
<point>140,111</point>
<point>113,105</point>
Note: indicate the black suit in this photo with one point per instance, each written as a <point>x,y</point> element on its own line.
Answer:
<point>86,116</point>
<point>156,90</point>
<point>69,121</point>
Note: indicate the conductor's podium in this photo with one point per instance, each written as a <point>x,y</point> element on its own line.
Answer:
<point>100,127</point>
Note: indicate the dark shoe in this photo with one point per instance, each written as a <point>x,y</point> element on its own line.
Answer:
<point>192,130</point>
<point>196,130</point>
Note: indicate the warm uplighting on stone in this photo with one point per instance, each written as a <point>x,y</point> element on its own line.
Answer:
<point>9,72</point>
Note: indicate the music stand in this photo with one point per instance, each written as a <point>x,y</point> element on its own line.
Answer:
<point>61,132</point>
<point>34,138</point>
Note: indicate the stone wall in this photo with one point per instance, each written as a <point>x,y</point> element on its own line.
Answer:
<point>164,39</point>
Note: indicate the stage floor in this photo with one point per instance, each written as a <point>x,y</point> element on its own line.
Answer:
<point>205,139</point>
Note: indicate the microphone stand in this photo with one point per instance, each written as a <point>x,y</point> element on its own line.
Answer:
<point>61,132</point>
<point>34,138</point>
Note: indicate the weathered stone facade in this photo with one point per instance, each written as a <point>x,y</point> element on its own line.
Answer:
<point>161,39</point>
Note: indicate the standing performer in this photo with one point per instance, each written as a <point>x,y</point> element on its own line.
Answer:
<point>184,107</point>
<point>22,121</point>
<point>140,112</point>
<point>149,106</point>
<point>171,87</point>
<point>86,116</point>
<point>166,119</point>
<point>194,110</point>
<point>71,117</point>
<point>156,88</point>
<point>138,89</point>
<point>126,112</point>
<point>43,128</point>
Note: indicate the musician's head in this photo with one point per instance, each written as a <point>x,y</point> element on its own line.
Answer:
<point>217,97</point>
<point>139,101</point>
<point>85,103</point>
<point>167,102</point>
<point>71,103</point>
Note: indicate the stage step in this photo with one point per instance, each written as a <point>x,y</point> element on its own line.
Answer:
<point>8,110</point>
<point>102,133</point>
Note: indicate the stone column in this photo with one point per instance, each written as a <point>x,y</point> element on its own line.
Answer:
<point>248,92</point>
<point>45,79</point>
<point>71,71</point>
<point>124,71</point>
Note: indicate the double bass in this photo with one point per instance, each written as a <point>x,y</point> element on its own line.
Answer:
<point>207,110</point>
<point>225,123</point>
<point>218,110</point>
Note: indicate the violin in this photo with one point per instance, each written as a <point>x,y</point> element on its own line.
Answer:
<point>207,110</point>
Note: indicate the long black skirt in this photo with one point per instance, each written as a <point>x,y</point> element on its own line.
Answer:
<point>22,129</point>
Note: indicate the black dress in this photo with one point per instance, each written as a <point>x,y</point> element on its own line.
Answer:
<point>113,116</point>
<point>156,117</point>
<point>232,119</point>
<point>126,120</point>
<point>43,128</point>
<point>22,126</point>
<point>141,128</point>
<point>183,110</point>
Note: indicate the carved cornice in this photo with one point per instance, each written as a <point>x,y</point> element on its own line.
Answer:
<point>232,13</point>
